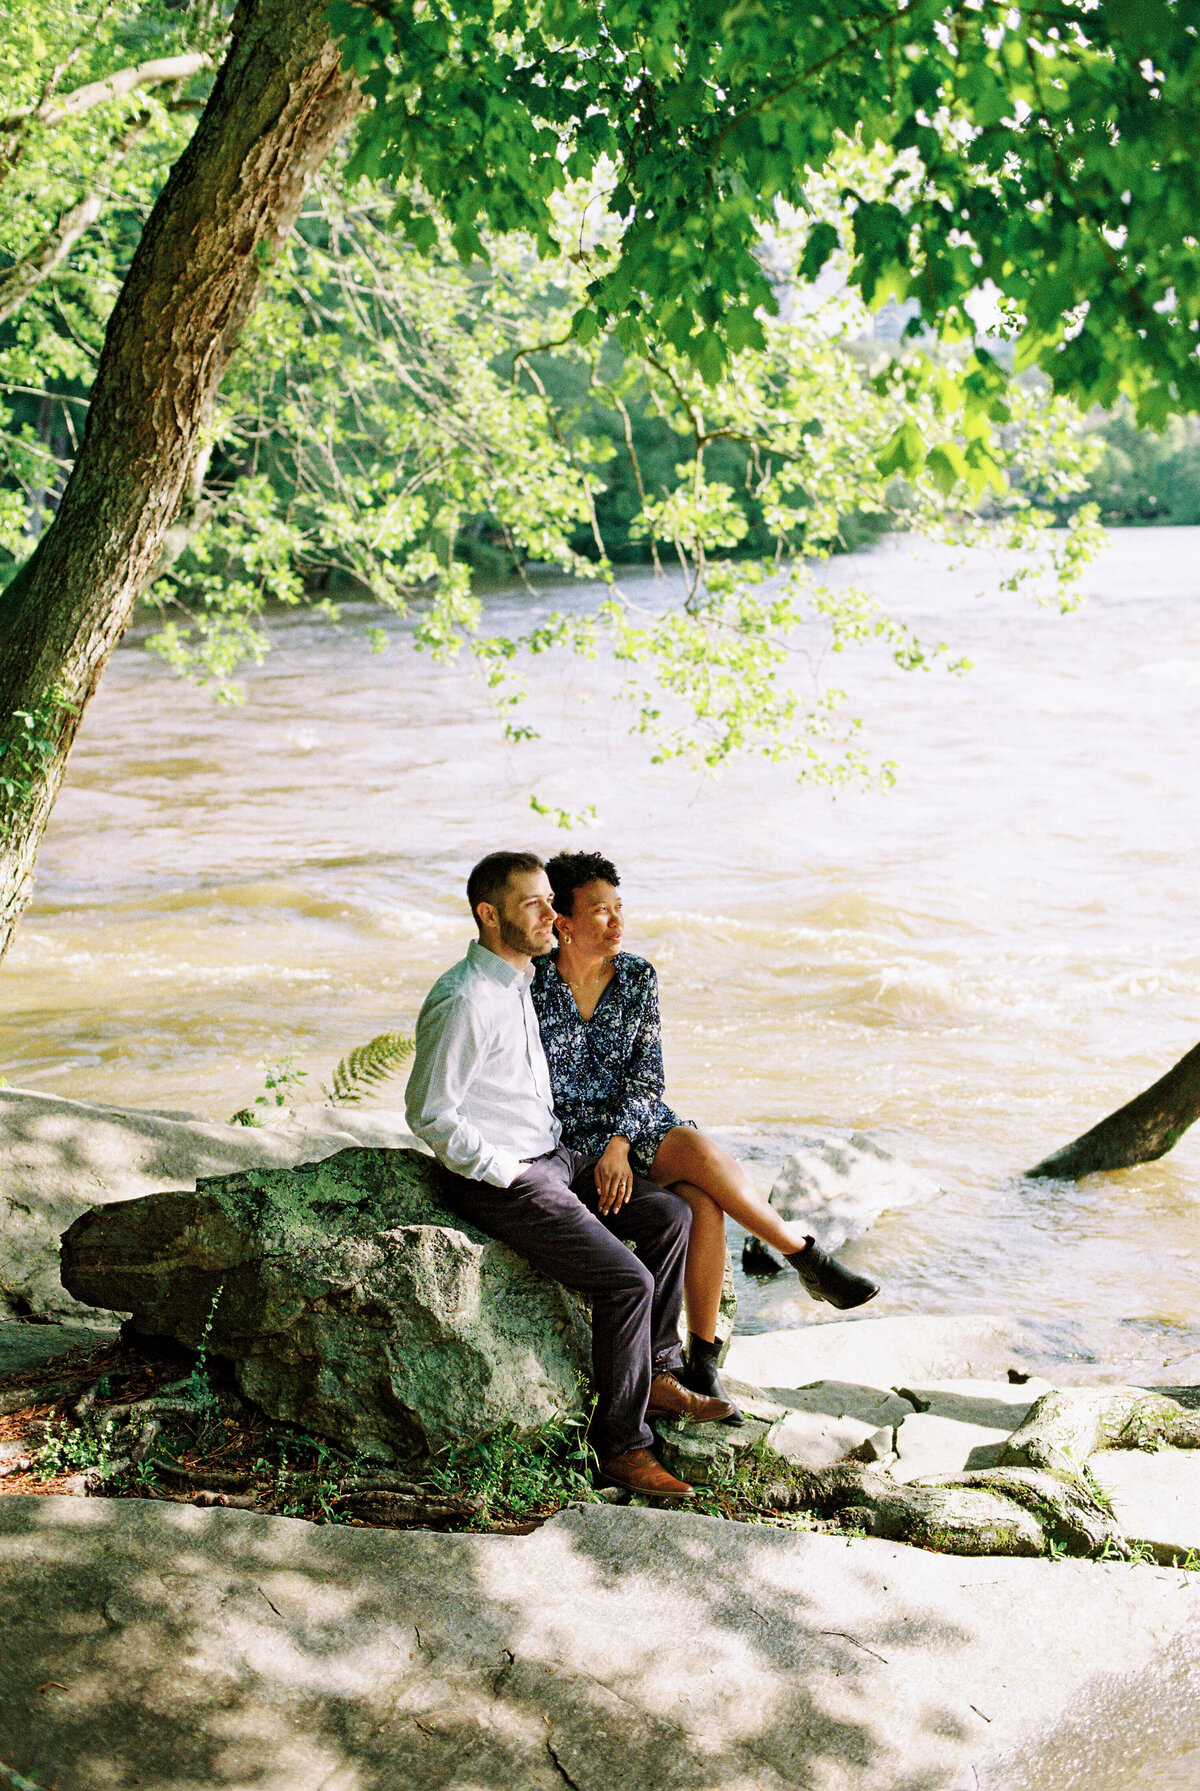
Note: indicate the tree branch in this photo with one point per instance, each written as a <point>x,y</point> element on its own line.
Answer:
<point>99,93</point>
<point>17,282</point>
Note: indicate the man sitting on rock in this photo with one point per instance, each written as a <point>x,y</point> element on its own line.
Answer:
<point>479,1095</point>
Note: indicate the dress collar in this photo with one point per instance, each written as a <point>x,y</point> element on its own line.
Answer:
<point>554,975</point>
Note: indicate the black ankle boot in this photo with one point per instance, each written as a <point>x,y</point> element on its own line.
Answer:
<point>699,1374</point>
<point>826,1279</point>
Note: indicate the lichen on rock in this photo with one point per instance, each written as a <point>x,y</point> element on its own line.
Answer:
<point>347,1298</point>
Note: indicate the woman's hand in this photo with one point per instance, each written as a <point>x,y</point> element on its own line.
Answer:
<point>614,1177</point>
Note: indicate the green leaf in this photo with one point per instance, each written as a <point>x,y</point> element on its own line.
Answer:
<point>946,466</point>
<point>823,239</point>
<point>904,453</point>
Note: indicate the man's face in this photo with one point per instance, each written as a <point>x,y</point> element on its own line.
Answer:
<point>526,913</point>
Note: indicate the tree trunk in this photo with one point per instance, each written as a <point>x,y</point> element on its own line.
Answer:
<point>1140,1132</point>
<point>276,110</point>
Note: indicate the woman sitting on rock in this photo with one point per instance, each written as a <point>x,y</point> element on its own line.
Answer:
<point>598,1011</point>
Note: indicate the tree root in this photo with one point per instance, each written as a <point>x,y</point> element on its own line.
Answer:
<point>1037,1500</point>
<point>15,1399</point>
<point>403,1508</point>
<point>993,1511</point>
<point>1063,1428</point>
<point>213,1477</point>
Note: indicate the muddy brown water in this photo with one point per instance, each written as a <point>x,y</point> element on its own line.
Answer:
<point>973,967</point>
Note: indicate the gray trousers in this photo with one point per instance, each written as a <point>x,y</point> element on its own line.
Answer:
<point>549,1216</point>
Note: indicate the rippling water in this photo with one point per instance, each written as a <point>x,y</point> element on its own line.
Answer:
<point>974,967</point>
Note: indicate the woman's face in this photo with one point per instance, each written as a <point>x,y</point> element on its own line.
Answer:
<point>594,923</point>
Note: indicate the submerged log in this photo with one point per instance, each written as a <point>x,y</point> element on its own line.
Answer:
<point>1140,1132</point>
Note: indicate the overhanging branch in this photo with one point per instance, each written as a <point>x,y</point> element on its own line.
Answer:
<point>98,93</point>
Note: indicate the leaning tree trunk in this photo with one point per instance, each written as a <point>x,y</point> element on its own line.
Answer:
<point>276,110</point>
<point>1140,1132</point>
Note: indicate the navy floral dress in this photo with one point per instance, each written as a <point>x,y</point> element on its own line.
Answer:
<point>606,1072</point>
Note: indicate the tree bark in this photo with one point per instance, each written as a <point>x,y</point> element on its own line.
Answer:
<point>276,110</point>
<point>1140,1132</point>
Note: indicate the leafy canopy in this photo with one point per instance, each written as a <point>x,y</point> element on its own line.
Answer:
<point>1044,151</point>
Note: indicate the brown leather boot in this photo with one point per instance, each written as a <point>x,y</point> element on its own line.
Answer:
<point>642,1473</point>
<point>669,1398</point>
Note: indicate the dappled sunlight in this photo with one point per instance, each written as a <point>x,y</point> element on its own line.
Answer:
<point>613,1649</point>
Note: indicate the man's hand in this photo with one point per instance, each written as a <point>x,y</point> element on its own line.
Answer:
<point>614,1177</point>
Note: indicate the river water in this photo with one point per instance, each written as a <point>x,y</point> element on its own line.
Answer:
<point>973,967</point>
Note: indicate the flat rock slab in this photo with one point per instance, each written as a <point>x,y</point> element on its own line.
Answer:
<point>814,1440</point>
<point>828,1420</point>
<point>997,1405</point>
<point>59,1157</point>
<point>1155,1496</point>
<point>955,1425</point>
<point>25,1346</point>
<point>872,1406</point>
<point>881,1352</point>
<point>911,1348</point>
<point>929,1447</point>
<point>612,1650</point>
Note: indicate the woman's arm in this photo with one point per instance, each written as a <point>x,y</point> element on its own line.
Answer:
<point>640,1079</point>
<point>639,1086</point>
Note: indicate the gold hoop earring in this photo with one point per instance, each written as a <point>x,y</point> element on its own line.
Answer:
<point>566,938</point>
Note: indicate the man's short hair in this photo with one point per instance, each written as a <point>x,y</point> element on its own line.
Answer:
<point>489,879</point>
<point>569,871</point>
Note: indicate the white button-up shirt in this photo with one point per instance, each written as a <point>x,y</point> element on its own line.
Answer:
<point>479,1094</point>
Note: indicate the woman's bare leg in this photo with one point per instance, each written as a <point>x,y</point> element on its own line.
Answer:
<point>704,1269</point>
<point>688,1156</point>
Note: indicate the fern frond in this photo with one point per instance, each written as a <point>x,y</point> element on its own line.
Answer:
<point>361,1069</point>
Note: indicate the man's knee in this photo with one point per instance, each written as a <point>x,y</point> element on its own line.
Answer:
<point>630,1277</point>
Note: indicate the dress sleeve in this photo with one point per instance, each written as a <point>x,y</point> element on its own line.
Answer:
<point>639,1104</point>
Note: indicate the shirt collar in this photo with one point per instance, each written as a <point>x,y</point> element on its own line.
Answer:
<point>499,969</point>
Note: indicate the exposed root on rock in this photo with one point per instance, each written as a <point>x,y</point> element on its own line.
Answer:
<point>1064,1428</point>
<point>993,1511</point>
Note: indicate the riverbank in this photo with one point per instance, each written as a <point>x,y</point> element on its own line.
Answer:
<point>601,1646</point>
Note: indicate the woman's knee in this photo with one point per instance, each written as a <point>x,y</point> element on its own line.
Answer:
<point>692,1154</point>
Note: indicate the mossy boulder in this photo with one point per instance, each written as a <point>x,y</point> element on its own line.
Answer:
<point>347,1298</point>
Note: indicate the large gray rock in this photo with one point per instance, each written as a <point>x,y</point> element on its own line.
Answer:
<point>347,1298</point>
<point>60,1157</point>
<point>837,1187</point>
<point>613,1650</point>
